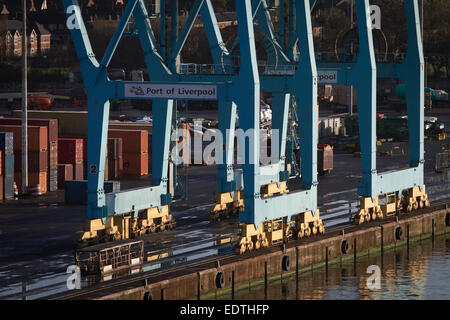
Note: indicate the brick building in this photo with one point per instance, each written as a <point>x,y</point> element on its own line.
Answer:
<point>11,35</point>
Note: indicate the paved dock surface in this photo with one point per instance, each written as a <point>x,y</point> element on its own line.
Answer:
<point>37,235</point>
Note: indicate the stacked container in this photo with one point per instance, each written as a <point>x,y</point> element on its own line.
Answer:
<point>70,151</point>
<point>7,165</point>
<point>65,173</point>
<point>135,150</point>
<point>52,127</point>
<point>37,156</point>
<point>150,151</point>
<point>114,159</point>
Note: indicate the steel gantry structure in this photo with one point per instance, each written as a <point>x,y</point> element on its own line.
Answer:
<point>268,211</point>
<point>381,194</point>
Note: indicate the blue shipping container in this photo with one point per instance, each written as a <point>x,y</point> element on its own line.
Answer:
<point>76,190</point>
<point>7,142</point>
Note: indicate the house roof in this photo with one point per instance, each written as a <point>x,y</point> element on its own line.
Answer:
<point>41,29</point>
<point>17,25</point>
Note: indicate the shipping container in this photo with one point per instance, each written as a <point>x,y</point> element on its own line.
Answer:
<point>115,148</point>
<point>135,163</point>
<point>7,142</point>
<point>115,168</point>
<point>53,154</point>
<point>133,141</point>
<point>71,124</point>
<point>8,186</point>
<point>106,177</point>
<point>324,158</point>
<point>78,171</point>
<point>76,191</point>
<point>123,125</point>
<point>341,95</point>
<point>150,152</point>
<point>70,151</point>
<point>51,124</point>
<point>65,172</point>
<point>74,124</point>
<point>2,195</point>
<point>37,137</point>
<point>37,161</point>
<point>52,180</point>
<point>8,176</point>
<point>34,179</point>
<point>85,150</point>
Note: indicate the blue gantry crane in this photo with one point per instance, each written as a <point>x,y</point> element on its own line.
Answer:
<point>268,211</point>
<point>386,193</point>
<point>380,194</point>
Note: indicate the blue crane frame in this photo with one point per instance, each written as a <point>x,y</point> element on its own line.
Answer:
<point>242,90</point>
<point>362,75</point>
<point>302,84</point>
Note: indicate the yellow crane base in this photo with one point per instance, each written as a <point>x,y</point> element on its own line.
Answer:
<point>277,231</point>
<point>389,204</point>
<point>152,220</point>
<point>224,206</point>
<point>307,224</point>
<point>228,204</point>
<point>126,227</point>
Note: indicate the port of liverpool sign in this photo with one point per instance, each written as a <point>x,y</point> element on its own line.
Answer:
<point>171,91</point>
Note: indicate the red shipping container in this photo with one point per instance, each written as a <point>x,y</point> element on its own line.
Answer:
<point>85,149</point>
<point>51,124</point>
<point>37,137</point>
<point>1,163</point>
<point>65,172</point>
<point>70,151</point>
<point>133,141</point>
<point>78,171</point>
<point>135,163</point>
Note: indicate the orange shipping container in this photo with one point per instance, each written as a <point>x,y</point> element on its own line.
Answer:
<point>38,178</point>
<point>133,141</point>
<point>2,196</point>
<point>135,163</point>
<point>78,171</point>
<point>106,169</point>
<point>37,137</point>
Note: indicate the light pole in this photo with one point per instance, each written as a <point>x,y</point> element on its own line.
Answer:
<point>24,102</point>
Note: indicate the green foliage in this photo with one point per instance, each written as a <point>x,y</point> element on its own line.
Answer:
<point>54,74</point>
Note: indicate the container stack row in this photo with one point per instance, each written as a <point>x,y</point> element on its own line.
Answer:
<point>7,166</point>
<point>135,150</point>
<point>38,155</point>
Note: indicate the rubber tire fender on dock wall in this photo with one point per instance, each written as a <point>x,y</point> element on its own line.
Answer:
<point>344,246</point>
<point>220,280</point>
<point>447,219</point>
<point>147,296</point>
<point>399,233</point>
<point>286,263</point>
